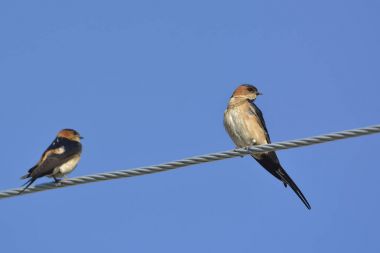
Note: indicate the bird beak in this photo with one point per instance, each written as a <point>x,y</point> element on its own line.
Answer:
<point>259,93</point>
<point>81,138</point>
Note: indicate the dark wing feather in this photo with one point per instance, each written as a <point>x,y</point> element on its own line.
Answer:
<point>268,160</point>
<point>54,145</point>
<point>259,114</point>
<point>47,167</point>
<point>57,143</point>
<point>51,159</point>
<point>271,163</point>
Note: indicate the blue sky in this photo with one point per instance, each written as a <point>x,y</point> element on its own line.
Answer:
<point>147,82</point>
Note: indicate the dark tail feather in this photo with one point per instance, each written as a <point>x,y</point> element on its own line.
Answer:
<point>25,176</point>
<point>288,180</point>
<point>270,162</point>
<point>28,183</point>
<point>29,172</point>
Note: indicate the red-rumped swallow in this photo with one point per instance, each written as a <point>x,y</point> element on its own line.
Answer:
<point>59,159</point>
<point>245,124</point>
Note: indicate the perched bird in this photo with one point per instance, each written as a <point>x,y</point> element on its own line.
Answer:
<point>245,124</point>
<point>59,159</point>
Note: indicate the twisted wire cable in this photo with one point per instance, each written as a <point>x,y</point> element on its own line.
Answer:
<point>194,160</point>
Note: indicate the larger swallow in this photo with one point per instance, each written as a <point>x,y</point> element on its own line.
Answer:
<point>59,159</point>
<point>245,125</point>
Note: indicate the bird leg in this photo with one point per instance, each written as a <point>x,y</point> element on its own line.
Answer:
<point>57,181</point>
<point>247,148</point>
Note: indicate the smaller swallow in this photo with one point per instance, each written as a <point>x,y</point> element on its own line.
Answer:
<point>59,159</point>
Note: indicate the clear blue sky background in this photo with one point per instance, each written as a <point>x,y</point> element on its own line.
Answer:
<point>147,82</point>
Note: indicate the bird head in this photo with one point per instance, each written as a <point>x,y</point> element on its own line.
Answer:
<point>70,134</point>
<point>246,91</point>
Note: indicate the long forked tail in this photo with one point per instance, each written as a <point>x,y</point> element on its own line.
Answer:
<point>288,180</point>
<point>271,163</point>
<point>28,183</point>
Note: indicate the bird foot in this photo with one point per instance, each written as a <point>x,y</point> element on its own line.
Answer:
<point>246,149</point>
<point>57,181</point>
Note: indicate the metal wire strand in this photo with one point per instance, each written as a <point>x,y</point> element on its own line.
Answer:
<point>194,160</point>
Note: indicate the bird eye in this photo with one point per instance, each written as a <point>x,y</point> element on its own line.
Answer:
<point>250,89</point>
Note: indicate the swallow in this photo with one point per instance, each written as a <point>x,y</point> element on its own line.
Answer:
<point>245,124</point>
<point>59,159</point>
